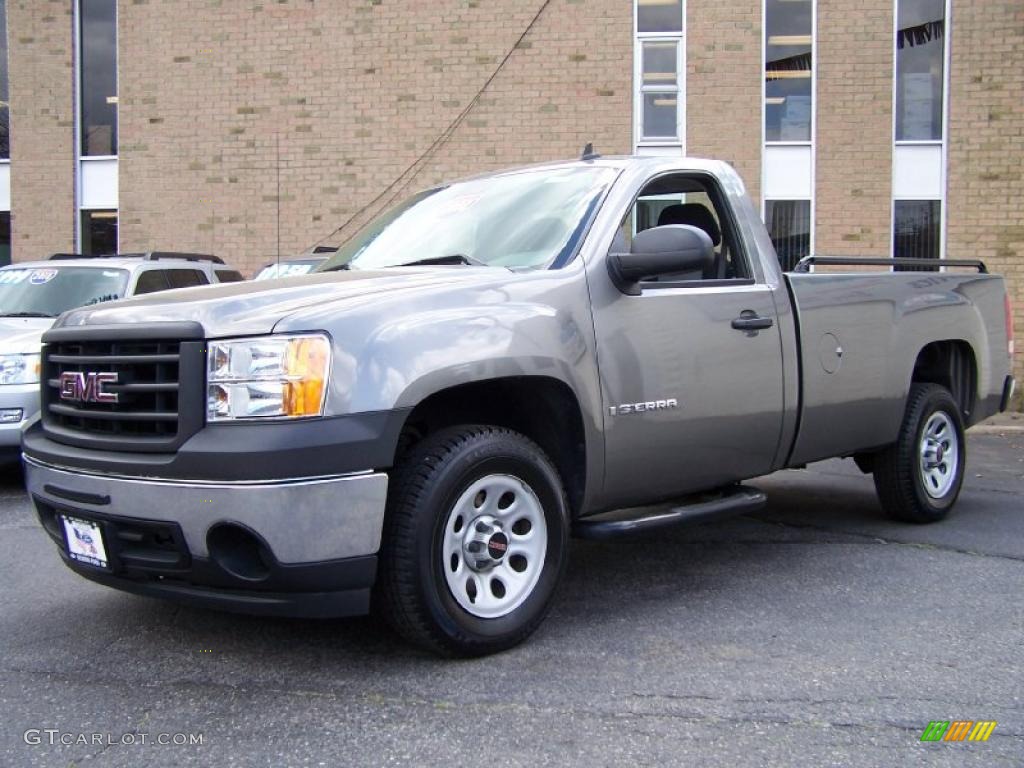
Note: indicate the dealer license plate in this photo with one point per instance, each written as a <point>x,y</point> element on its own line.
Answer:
<point>84,541</point>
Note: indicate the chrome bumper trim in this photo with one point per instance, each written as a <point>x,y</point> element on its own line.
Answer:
<point>302,521</point>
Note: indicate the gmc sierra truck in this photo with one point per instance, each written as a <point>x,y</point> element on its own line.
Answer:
<point>595,347</point>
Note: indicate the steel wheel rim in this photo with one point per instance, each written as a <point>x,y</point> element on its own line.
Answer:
<point>939,453</point>
<point>494,510</point>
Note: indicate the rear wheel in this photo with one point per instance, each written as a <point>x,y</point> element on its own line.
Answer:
<point>918,477</point>
<point>475,541</point>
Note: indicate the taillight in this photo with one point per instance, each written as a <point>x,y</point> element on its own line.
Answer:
<point>1009,327</point>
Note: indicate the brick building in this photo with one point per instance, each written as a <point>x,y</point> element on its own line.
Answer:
<point>245,127</point>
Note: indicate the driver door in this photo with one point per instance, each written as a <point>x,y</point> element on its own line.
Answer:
<point>692,401</point>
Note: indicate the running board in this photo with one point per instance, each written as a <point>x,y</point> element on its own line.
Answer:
<point>734,500</point>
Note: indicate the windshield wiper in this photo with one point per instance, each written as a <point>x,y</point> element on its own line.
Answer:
<point>26,314</point>
<point>452,258</point>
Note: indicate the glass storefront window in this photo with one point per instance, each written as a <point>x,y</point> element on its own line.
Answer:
<point>789,40</point>
<point>920,64</point>
<point>98,53</point>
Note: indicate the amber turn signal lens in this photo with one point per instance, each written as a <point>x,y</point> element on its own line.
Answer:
<point>306,371</point>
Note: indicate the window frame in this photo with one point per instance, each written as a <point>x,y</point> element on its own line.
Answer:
<point>726,219</point>
<point>81,159</point>
<point>79,79</point>
<point>942,143</point>
<point>639,89</point>
<point>811,143</point>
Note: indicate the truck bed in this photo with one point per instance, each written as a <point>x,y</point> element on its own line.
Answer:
<point>859,336</point>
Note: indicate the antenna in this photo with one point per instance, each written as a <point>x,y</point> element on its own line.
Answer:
<point>588,152</point>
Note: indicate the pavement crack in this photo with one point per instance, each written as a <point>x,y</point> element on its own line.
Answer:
<point>887,540</point>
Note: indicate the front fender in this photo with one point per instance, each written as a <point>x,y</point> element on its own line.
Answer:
<point>411,358</point>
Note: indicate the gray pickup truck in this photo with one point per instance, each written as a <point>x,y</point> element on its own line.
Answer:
<point>595,347</point>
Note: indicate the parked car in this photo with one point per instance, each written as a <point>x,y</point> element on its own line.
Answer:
<point>33,293</point>
<point>301,265</point>
<point>596,347</point>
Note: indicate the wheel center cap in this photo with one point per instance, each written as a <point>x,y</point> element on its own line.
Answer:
<point>485,543</point>
<point>497,545</point>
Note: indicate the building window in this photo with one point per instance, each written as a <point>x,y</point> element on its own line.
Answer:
<point>659,71</point>
<point>99,232</point>
<point>788,153</point>
<point>5,238</point>
<point>788,64</point>
<point>98,73</point>
<point>920,69</point>
<point>917,230</point>
<point>5,110</point>
<point>789,226</point>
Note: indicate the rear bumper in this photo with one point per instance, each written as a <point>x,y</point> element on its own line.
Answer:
<point>302,548</point>
<point>1009,387</point>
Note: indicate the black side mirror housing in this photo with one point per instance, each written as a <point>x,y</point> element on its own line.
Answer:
<point>661,251</point>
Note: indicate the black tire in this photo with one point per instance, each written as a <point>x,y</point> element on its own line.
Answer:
<point>899,475</point>
<point>413,593</point>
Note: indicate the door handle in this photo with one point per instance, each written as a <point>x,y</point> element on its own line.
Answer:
<point>749,321</point>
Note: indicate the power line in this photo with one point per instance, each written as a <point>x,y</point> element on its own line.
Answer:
<point>417,165</point>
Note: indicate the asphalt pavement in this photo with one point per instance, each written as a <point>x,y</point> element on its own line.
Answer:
<point>816,633</point>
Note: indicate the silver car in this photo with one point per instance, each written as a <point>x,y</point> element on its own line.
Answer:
<point>34,293</point>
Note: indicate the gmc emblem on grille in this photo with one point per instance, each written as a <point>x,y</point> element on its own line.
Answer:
<point>87,387</point>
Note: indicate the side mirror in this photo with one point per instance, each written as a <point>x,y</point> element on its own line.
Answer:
<point>661,251</point>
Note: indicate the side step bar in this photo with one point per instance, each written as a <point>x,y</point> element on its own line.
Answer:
<point>734,500</point>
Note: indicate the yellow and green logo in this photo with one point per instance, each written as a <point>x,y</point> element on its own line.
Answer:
<point>958,730</point>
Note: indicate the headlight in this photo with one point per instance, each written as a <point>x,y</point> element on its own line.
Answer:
<point>269,376</point>
<point>19,369</point>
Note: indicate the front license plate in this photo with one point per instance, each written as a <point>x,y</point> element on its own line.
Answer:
<point>84,541</point>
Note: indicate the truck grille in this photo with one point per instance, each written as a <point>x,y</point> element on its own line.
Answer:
<point>160,381</point>
<point>147,387</point>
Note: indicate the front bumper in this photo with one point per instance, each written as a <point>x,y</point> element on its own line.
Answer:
<point>301,548</point>
<point>17,397</point>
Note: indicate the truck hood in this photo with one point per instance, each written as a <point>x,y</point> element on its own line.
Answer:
<point>250,308</point>
<point>22,335</point>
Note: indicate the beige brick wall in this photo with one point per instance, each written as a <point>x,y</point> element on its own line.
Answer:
<point>42,127</point>
<point>985,217</point>
<point>724,68</point>
<point>853,163</point>
<point>356,93</point>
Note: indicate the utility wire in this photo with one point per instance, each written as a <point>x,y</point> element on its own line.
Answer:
<point>417,165</point>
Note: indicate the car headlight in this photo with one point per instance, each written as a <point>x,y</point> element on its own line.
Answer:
<point>267,377</point>
<point>19,369</point>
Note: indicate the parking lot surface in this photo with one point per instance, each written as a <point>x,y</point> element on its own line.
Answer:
<point>814,633</point>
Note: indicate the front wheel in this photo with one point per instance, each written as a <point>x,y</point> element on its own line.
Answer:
<point>918,477</point>
<point>475,541</point>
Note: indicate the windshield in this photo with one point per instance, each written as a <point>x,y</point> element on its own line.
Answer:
<point>520,220</point>
<point>46,292</point>
<point>287,269</point>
